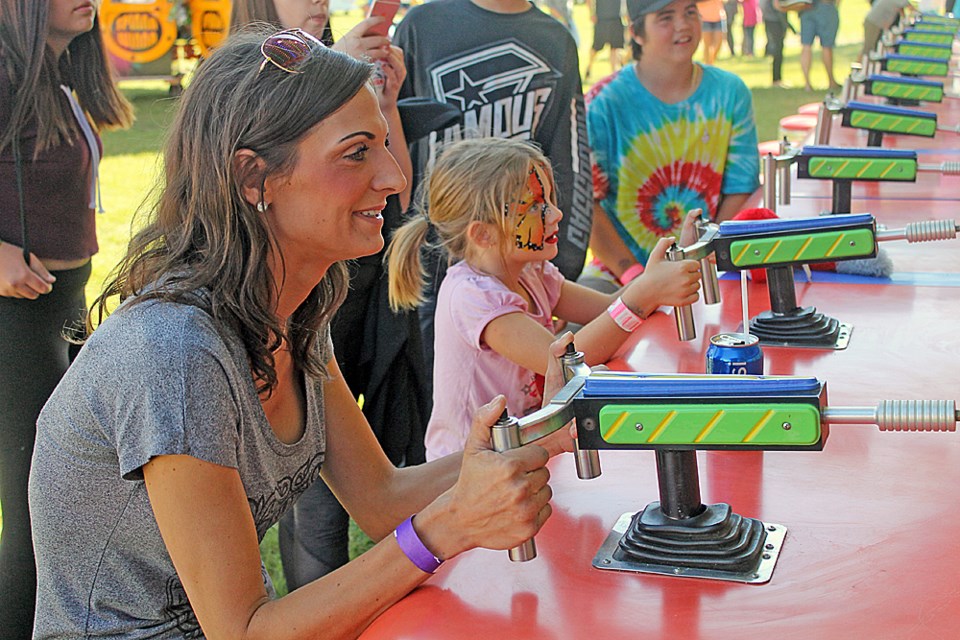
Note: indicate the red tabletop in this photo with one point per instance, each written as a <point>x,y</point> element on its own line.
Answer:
<point>873,542</point>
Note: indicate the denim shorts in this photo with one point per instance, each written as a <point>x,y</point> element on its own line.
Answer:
<point>715,26</point>
<point>820,21</point>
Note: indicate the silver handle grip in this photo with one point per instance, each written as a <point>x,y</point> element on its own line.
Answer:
<point>947,168</point>
<point>510,433</point>
<point>899,415</point>
<point>922,231</point>
<point>770,182</point>
<point>711,284</point>
<point>506,436</point>
<point>686,329</point>
<point>587,460</point>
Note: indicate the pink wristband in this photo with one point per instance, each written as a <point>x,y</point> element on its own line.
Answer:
<point>632,272</point>
<point>414,549</point>
<point>623,316</point>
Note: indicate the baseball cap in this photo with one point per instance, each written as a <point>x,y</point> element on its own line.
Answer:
<point>636,9</point>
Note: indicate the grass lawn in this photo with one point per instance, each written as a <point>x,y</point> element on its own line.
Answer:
<point>131,162</point>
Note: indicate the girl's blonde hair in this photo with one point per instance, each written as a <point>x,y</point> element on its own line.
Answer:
<point>476,180</point>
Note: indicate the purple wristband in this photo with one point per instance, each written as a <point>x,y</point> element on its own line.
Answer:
<point>414,549</point>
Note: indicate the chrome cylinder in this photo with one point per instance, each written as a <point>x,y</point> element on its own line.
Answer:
<point>711,284</point>
<point>770,182</point>
<point>849,90</point>
<point>686,329</point>
<point>949,168</point>
<point>587,460</point>
<point>824,120</point>
<point>783,175</point>
<point>899,415</point>
<point>523,552</point>
<point>917,415</point>
<point>506,436</point>
<point>923,231</point>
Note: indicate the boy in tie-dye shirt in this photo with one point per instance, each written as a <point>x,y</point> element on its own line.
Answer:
<point>668,136</point>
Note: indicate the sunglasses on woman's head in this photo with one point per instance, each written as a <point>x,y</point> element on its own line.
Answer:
<point>288,49</point>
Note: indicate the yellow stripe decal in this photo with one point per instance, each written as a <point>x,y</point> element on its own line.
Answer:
<point>710,425</point>
<point>663,425</point>
<point>834,246</point>
<point>865,167</point>
<point>887,170</point>
<point>806,243</point>
<point>760,425</point>
<point>615,426</point>
<point>841,168</point>
<point>746,247</point>
<point>770,253</point>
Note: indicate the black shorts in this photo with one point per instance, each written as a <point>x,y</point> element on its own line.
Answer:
<point>608,32</point>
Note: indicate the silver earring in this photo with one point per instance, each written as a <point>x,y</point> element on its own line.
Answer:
<point>262,206</point>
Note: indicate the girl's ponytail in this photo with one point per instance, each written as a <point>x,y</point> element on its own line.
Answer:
<point>403,263</point>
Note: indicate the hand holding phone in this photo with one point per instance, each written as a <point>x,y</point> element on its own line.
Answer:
<point>387,9</point>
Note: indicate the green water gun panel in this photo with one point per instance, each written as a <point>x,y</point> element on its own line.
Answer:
<point>893,123</point>
<point>863,168</point>
<point>932,18</point>
<point>940,53</point>
<point>929,38</point>
<point>939,27</point>
<point>918,68</point>
<point>906,91</point>
<point>711,424</point>
<point>802,248</point>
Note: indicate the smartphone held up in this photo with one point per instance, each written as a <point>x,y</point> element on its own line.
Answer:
<point>387,9</point>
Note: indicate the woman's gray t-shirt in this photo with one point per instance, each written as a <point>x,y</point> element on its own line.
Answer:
<point>156,378</point>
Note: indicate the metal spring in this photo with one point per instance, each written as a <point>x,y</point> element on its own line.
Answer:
<point>950,168</point>
<point>929,230</point>
<point>917,415</point>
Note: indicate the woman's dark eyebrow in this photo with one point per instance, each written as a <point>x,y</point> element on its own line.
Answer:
<point>365,134</point>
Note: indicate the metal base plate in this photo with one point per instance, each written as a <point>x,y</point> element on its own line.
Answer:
<point>605,558</point>
<point>843,339</point>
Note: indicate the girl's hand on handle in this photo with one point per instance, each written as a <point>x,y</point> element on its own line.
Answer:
<point>17,280</point>
<point>499,500</point>
<point>561,440</point>
<point>670,283</point>
<point>358,44</point>
<point>688,233</point>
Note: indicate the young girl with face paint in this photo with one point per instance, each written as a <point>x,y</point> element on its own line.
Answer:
<point>493,205</point>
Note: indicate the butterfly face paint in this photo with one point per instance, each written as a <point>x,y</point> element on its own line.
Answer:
<point>532,213</point>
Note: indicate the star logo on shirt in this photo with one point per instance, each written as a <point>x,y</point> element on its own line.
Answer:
<point>468,94</point>
<point>491,73</point>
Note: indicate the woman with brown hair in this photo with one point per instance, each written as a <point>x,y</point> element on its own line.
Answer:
<point>56,91</point>
<point>377,348</point>
<point>313,16</point>
<point>210,399</point>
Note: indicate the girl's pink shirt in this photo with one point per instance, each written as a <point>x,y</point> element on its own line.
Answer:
<point>467,373</point>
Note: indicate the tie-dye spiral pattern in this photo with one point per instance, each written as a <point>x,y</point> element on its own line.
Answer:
<point>655,161</point>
